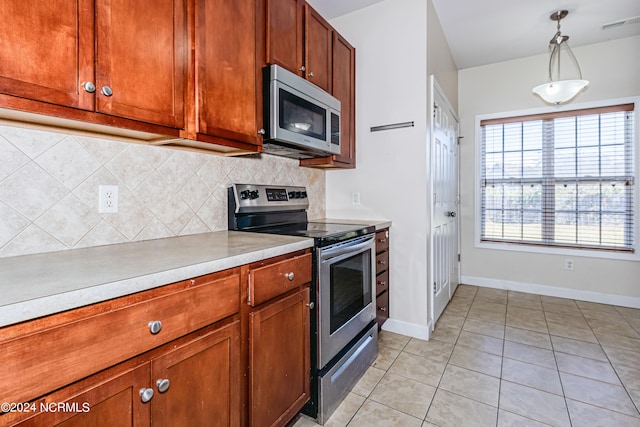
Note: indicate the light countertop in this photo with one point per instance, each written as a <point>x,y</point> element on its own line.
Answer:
<point>32,286</point>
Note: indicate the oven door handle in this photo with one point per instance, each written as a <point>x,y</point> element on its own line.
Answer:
<point>351,248</point>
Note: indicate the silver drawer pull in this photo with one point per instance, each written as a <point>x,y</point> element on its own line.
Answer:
<point>382,308</point>
<point>146,394</point>
<point>382,240</point>
<point>106,91</point>
<point>163,385</point>
<point>382,282</point>
<point>382,262</point>
<point>155,326</point>
<point>311,305</point>
<point>290,276</point>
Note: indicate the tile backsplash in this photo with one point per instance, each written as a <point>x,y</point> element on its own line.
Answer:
<point>49,190</point>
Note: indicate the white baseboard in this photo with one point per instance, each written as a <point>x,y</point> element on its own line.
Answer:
<point>552,291</point>
<point>405,328</point>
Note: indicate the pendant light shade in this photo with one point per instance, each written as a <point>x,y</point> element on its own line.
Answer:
<point>558,91</point>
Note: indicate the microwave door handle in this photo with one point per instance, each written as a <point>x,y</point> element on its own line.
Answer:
<point>347,249</point>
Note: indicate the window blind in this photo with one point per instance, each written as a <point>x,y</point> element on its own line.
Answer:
<point>561,179</point>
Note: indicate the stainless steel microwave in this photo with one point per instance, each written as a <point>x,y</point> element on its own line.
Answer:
<point>301,120</point>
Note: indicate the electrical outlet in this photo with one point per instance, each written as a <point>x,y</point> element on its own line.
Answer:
<point>107,199</point>
<point>355,198</point>
<point>568,264</point>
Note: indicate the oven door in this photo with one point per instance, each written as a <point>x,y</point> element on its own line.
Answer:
<point>346,294</point>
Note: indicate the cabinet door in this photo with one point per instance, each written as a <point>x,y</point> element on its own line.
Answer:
<point>115,402</point>
<point>141,59</point>
<point>203,382</point>
<point>46,51</point>
<point>285,34</point>
<point>318,39</point>
<point>344,88</point>
<point>229,80</point>
<point>279,360</point>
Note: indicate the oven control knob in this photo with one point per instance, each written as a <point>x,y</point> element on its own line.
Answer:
<point>253,194</point>
<point>292,194</point>
<point>244,194</point>
<point>298,194</point>
<point>303,194</point>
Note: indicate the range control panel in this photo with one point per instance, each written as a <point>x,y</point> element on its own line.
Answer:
<point>262,198</point>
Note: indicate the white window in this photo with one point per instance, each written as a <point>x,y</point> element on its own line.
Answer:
<point>563,179</point>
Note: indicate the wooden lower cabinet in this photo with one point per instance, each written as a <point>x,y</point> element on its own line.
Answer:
<point>204,382</point>
<point>279,360</point>
<point>201,376</point>
<point>382,276</point>
<point>192,353</point>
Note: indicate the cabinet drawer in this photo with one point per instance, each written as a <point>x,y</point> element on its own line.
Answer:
<point>48,358</point>
<point>382,262</point>
<point>382,308</point>
<point>275,279</point>
<point>382,240</point>
<point>382,282</point>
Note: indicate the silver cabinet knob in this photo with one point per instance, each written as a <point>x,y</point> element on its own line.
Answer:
<point>382,308</point>
<point>382,282</point>
<point>261,131</point>
<point>290,276</point>
<point>451,214</point>
<point>311,74</point>
<point>106,91</point>
<point>382,240</point>
<point>89,87</point>
<point>146,394</point>
<point>303,68</point>
<point>382,262</point>
<point>163,385</point>
<point>155,326</point>
<point>311,305</point>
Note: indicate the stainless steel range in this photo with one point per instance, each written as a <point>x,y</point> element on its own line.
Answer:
<point>344,335</point>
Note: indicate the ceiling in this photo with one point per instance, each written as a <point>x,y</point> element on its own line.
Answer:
<point>481,32</point>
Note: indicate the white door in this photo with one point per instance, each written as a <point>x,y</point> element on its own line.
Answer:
<point>443,268</point>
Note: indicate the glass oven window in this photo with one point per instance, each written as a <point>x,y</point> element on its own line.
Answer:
<point>301,116</point>
<point>350,288</point>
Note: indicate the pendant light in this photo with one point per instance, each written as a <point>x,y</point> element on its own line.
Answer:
<point>559,91</point>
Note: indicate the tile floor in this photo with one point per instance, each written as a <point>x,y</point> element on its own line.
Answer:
<point>503,358</point>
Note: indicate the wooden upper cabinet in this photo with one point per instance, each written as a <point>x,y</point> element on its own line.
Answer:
<point>228,62</point>
<point>141,60</point>
<point>318,40</point>
<point>285,34</point>
<point>46,51</point>
<point>343,84</point>
<point>344,88</point>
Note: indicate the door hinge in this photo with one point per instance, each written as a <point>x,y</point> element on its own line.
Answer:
<point>459,139</point>
<point>434,287</point>
<point>458,257</point>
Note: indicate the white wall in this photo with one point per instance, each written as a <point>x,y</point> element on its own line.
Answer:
<point>391,175</point>
<point>612,69</point>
